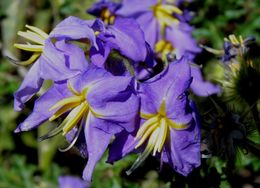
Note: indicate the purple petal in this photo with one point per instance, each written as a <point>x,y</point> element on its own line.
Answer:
<point>29,87</point>
<point>114,100</point>
<point>40,111</point>
<point>54,65</point>
<point>71,181</point>
<point>74,28</point>
<point>127,31</point>
<point>182,40</point>
<point>135,7</point>
<point>201,87</point>
<point>75,55</point>
<point>150,25</point>
<point>184,150</point>
<point>97,142</point>
<point>123,144</point>
<point>90,76</point>
<point>99,57</point>
<point>170,85</point>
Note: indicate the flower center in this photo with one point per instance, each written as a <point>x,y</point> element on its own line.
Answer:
<point>164,14</point>
<point>154,130</point>
<point>163,47</point>
<point>79,109</point>
<point>36,36</point>
<point>107,17</point>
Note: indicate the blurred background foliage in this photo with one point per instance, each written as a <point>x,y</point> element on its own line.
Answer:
<point>25,163</point>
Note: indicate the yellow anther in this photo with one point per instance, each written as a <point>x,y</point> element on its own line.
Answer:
<point>38,37</point>
<point>164,14</point>
<point>77,104</point>
<point>164,47</point>
<point>107,16</point>
<point>97,33</point>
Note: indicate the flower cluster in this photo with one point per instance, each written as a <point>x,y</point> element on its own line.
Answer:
<point>117,85</point>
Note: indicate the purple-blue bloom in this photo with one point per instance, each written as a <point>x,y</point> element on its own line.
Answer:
<point>51,60</point>
<point>169,127</point>
<point>165,30</point>
<point>95,102</point>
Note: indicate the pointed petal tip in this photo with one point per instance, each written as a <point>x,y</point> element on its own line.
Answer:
<point>18,130</point>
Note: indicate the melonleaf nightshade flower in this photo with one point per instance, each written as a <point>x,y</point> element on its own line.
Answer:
<point>92,102</point>
<point>169,127</point>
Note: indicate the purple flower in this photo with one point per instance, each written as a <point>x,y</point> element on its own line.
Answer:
<point>169,127</point>
<point>161,22</point>
<point>51,61</point>
<point>96,102</point>
<point>71,182</point>
<point>164,30</point>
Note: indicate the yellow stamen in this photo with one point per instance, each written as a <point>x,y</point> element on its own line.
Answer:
<point>107,16</point>
<point>146,125</point>
<point>164,14</point>
<point>63,102</point>
<point>79,109</point>
<point>74,117</point>
<point>62,110</point>
<point>38,31</point>
<point>147,133</point>
<point>154,130</point>
<point>32,37</point>
<point>29,47</point>
<point>36,36</point>
<point>164,47</point>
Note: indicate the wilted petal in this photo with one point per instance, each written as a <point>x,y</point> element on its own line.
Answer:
<point>29,87</point>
